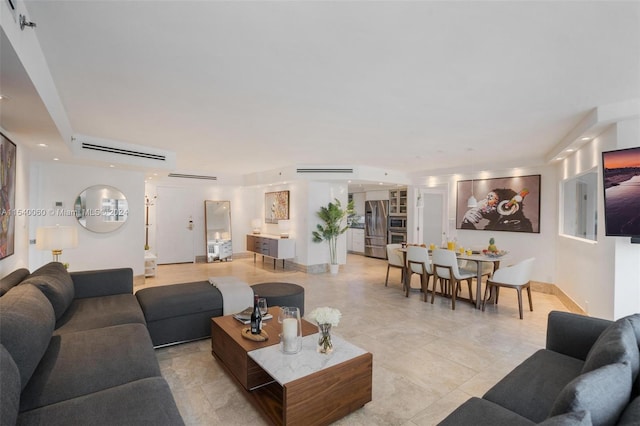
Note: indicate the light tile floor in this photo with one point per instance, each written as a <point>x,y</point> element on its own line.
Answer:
<point>427,359</point>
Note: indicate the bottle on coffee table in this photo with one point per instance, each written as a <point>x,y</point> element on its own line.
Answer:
<point>256,317</point>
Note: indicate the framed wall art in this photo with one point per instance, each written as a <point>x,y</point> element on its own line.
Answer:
<point>504,204</point>
<point>7,196</point>
<point>276,206</point>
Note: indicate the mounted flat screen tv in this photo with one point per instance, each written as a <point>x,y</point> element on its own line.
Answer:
<point>621,181</point>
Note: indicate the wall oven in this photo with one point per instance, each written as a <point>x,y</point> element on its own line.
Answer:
<point>397,230</point>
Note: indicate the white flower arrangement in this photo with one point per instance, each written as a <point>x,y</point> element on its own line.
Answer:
<point>325,315</point>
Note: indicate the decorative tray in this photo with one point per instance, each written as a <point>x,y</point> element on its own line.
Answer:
<point>246,333</point>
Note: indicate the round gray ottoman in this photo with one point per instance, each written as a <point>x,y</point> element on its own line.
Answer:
<point>281,294</point>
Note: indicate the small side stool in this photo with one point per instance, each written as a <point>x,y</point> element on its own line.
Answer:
<point>281,294</point>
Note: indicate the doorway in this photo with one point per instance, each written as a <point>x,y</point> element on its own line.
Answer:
<point>433,216</point>
<point>174,232</point>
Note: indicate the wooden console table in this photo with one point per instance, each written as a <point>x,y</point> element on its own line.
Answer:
<point>271,246</point>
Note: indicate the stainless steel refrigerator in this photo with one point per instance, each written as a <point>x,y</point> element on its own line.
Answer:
<point>376,214</point>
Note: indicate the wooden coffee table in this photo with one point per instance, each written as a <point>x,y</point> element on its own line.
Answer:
<point>318,389</point>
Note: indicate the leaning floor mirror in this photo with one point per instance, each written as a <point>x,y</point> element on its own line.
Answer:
<point>217,221</point>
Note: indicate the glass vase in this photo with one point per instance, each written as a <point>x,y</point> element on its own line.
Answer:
<point>291,336</point>
<point>325,345</point>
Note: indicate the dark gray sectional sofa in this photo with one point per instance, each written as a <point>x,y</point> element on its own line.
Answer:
<point>75,350</point>
<point>587,375</point>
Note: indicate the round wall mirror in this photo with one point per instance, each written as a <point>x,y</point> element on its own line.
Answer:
<point>101,208</point>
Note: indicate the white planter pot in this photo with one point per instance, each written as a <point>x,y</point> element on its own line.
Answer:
<point>333,268</point>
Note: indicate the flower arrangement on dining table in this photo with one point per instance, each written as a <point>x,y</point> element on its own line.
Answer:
<point>325,317</point>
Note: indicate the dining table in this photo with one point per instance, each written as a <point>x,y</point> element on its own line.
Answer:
<point>479,258</point>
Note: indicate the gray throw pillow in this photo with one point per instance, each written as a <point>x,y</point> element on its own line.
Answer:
<point>27,323</point>
<point>603,392</point>
<point>616,344</point>
<point>579,418</point>
<point>54,281</point>
<point>9,388</point>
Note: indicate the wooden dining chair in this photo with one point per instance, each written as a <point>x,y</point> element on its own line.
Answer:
<point>395,259</point>
<point>445,267</point>
<point>418,262</point>
<point>517,277</point>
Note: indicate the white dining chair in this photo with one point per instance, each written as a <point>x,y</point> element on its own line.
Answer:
<point>445,267</point>
<point>516,276</point>
<point>395,259</point>
<point>418,262</point>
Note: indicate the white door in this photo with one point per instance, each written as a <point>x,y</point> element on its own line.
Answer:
<point>433,222</point>
<point>174,233</point>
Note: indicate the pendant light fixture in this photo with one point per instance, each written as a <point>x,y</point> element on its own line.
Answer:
<point>472,202</point>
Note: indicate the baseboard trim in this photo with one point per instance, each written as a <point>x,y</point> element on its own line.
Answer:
<point>553,289</point>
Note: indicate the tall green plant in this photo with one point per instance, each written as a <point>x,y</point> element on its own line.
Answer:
<point>333,216</point>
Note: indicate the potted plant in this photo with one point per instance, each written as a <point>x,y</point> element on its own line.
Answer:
<point>333,216</point>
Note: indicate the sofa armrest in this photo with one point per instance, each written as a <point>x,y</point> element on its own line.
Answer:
<point>105,282</point>
<point>573,334</point>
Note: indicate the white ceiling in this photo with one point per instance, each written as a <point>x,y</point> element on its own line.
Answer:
<point>237,87</point>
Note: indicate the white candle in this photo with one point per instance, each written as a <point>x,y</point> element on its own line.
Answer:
<point>290,334</point>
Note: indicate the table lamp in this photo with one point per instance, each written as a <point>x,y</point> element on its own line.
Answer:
<point>256,224</point>
<point>284,226</point>
<point>56,238</point>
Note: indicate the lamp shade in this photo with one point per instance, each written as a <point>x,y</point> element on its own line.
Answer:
<point>472,202</point>
<point>56,237</point>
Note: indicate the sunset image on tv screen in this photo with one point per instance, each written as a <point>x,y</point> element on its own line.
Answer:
<point>621,172</point>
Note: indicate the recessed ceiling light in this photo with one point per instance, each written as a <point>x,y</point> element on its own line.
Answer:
<point>585,139</point>
<point>56,159</point>
<point>4,98</point>
<point>558,158</point>
<point>43,145</point>
<point>111,165</point>
<point>570,150</point>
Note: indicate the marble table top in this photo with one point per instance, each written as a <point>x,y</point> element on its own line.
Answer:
<point>285,368</point>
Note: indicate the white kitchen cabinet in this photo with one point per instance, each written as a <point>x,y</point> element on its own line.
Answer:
<point>357,242</point>
<point>398,202</point>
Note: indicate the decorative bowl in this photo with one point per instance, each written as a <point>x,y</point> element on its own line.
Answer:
<point>498,253</point>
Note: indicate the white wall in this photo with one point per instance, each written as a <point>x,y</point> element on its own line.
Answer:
<point>602,277</point>
<point>519,245</point>
<point>585,268</point>
<point>627,263</point>
<point>247,203</point>
<point>191,195</point>
<point>51,182</point>
<point>20,258</point>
